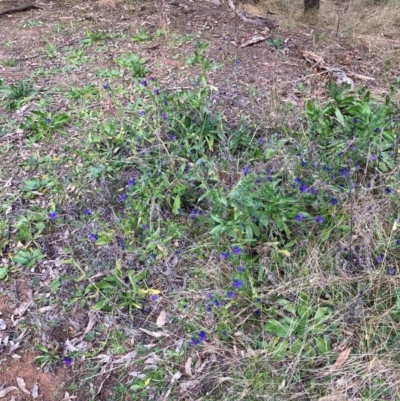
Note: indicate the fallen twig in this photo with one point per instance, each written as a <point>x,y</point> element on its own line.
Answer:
<point>22,8</point>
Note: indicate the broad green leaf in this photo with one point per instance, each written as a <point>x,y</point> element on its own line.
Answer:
<point>323,344</point>
<point>277,328</point>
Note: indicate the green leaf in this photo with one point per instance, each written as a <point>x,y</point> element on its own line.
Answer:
<point>339,117</point>
<point>323,344</point>
<point>296,347</point>
<point>100,305</point>
<point>281,349</point>
<point>177,205</point>
<point>304,306</point>
<point>277,328</point>
<point>3,273</point>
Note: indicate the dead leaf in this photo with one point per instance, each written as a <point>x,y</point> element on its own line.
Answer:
<point>156,334</point>
<point>254,40</point>
<point>3,325</point>
<point>176,376</point>
<point>68,397</point>
<point>35,391</point>
<point>20,310</point>
<point>188,367</point>
<point>22,385</point>
<point>341,359</point>
<point>7,390</point>
<point>47,308</point>
<point>126,358</point>
<point>162,317</point>
<point>91,323</point>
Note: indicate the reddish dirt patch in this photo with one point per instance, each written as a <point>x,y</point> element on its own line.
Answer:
<point>25,367</point>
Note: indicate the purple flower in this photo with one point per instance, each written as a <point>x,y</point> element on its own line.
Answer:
<point>334,201</point>
<point>237,283</point>
<point>141,113</point>
<point>53,215</point>
<point>313,191</point>
<point>303,163</point>
<point>105,86</point>
<point>208,308</point>
<point>152,78</point>
<point>380,258</point>
<point>258,181</point>
<point>246,170</point>
<point>194,341</point>
<point>131,182</point>
<point>344,171</point>
<point>236,250</point>
<point>398,242</point>
<point>143,83</point>
<point>203,336</point>
<point>303,188</point>
<point>254,218</point>
<point>67,360</point>
<point>87,212</point>
<point>392,271</point>
<point>269,178</point>
<point>93,237</point>
<point>319,219</point>
<point>172,137</point>
<point>231,294</point>
<point>388,190</point>
<point>340,154</point>
<point>48,120</point>
<point>374,157</point>
<point>297,180</point>
<point>224,255</point>
<point>238,63</point>
<point>242,269</point>
<point>377,130</point>
<point>165,116</point>
<point>123,197</point>
<point>193,213</point>
<point>217,304</point>
<point>210,295</point>
<point>154,297</point>
<point>261,141</point>
<point>356,120</point>
<point>299,217</point>
<point>156,92</point>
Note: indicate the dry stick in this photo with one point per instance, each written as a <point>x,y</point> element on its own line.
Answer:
<point>22,8</point>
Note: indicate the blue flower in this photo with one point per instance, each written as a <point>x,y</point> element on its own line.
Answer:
<point>313,191</point>
<point>154,297</point>
<point>398,242</point>
<point>203,336</point>
<point>246,170</point>
<point>374,157</point>
<point>377,130</point>
<point>261,141</point>
<point>380,258</point>
<point>388,190</point>
<point>195,341</point>
<point>392,271</point>
<point>156,92</point>
<point>303,188</point>
<point>258,181</point>
<point>152,78</point>
<point>236,250</point>
<point>165,116</point>
<point>87,212</point>
<point>131,182</point>
<point>123,197</point>
<point>237,283</point>
<point>231,294</point>
<point>193,213</point>
<point>67,360</point>
<point>143,83</point>
<point>334,201</point>
<point>242,269</point>
<point>224,255</point>
<point>217,304</point>
<point>356,120</point>
<point>53,215</point>
<point>297,180</point>
<point>208,308</point>
<point>319,219</point>
<point>299,217</point>
<point>269,178</point>
<point>344,171</point>
<point>48,120</point>
<point>303,163</point>
<point>254,218</point>
<point>93,237</point>
<point>105,86</point>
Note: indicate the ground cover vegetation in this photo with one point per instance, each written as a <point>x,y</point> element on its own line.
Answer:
<point>174,253</point>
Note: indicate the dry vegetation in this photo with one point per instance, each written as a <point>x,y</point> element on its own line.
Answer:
<point>183,218</point>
